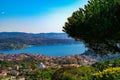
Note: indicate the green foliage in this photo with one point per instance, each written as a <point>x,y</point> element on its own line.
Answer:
<point>108,74</point>
<point>72,73</point>
<point>105,70</point>
<point>34,75</point>
<point>100,66</point>
<point>5,64</point>
<point>97,25</point>
<point>106,64</point>
<point>116,63</point>
<point>40,74</point>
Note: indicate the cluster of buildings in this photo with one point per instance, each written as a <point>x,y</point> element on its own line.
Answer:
<point>10,74</point>
<point>48,62</point>
<point>51,60</point>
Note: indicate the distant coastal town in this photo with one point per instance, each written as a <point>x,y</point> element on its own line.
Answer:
<point>18,65</point>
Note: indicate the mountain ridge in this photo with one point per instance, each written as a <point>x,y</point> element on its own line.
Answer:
<point>18,40</point>
<point>33,35</point>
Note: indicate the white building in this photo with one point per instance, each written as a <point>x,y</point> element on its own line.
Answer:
<point>41,66</point>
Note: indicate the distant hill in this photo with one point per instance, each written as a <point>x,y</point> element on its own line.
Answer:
<point>18,40</point>
<point>31,35</point>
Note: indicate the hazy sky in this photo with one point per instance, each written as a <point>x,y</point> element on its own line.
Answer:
<point>36,16</point>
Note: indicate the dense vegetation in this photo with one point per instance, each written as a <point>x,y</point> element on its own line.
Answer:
<point>107,70</point>
<point>40,74</point>
<point>97,25</point>
<point>107,74</point>
<point>73,73</point>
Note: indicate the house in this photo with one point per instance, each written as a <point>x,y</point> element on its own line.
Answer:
<point>16,67</point>
<point>3,73</point>
<point>71,65</point>
<point>53,65</point>
<point>21,78</point>
<point>41,66</point>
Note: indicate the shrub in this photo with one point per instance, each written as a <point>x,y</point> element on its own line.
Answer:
<point>107,74</point>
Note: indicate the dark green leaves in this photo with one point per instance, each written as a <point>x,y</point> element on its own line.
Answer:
<point>97,25</point>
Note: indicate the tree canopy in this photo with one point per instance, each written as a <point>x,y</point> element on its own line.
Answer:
<point>73,73</point>
<point>97,25</point>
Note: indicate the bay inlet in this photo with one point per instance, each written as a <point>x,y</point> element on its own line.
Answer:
<point>51,50</point>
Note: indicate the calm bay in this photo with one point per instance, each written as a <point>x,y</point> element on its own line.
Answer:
<point>50,50</point>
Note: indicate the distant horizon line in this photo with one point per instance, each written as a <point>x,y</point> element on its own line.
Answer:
<point>27,32</point>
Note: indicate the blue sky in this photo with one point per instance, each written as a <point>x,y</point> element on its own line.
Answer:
<point>36,16</point>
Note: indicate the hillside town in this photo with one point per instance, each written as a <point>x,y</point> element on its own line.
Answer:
<point>13,65</point>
